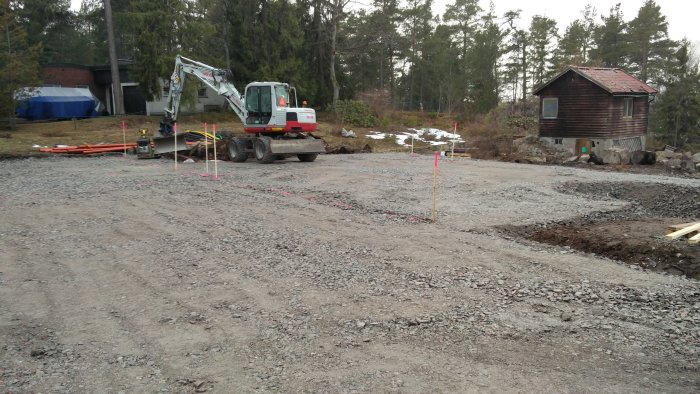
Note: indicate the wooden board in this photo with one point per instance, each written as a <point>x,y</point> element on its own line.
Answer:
<point>694,240</point>
<point>683,232</point>
<point>675,227</point>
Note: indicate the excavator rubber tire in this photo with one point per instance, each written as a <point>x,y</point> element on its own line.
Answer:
<point>307,157</point>
<point>263,154</point>
<point>236,150</point>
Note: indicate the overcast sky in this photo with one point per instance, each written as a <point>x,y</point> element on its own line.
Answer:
<point>682,15</point>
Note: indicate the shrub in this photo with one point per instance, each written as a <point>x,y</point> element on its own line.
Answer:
<point>355,113</point>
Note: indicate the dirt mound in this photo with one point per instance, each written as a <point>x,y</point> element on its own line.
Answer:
<point>635,234</point>
<point>636,242</point>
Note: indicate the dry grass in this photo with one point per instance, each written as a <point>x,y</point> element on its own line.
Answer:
<point>20,141</point>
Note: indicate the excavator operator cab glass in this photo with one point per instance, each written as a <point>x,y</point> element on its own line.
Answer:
<point>258,104</point>
<point>282,95</point>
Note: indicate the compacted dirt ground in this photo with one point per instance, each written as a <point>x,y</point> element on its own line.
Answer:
<point>119,275</point>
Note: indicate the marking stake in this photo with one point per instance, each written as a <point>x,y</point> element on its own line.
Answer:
<point>216,163</point>
<point>206,148</point>
<point>175,136</point>
<point>435,168</point>
<point>124,135</point>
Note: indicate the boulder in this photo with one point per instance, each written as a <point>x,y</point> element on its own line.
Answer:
<point>595,159</point>
<point>643,157</point>
<point>696,158</point>
<point>669,155</point>
<point>688,165</point>
<point>584,158</point>
<point>615,156</point>
<point>674,163</point>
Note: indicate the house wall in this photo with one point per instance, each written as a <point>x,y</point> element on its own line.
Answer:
<point>69,76</point>
<point>211,101</point>
<point>630,126</point>
<point>583,109</point>
<point>588,111</point>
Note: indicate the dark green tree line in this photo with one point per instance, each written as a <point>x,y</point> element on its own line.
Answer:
<point>467,60</point>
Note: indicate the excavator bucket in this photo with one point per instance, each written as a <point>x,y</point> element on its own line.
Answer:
<point>167,144</point>
<point>298,146</point>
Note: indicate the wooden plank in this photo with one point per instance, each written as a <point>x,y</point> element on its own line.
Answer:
<point>694,240</point>
<point>675,227</point>
<point>684,231</point>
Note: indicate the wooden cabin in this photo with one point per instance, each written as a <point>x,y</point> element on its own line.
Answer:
<point>586,109</point>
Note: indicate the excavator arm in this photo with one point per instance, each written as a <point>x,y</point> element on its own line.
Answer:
<point>221,81</point>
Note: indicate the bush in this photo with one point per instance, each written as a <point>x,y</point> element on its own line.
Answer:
<point>356,113</point>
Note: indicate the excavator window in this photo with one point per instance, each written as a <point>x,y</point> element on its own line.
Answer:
<point>282,95</point>
<point>258,103</point>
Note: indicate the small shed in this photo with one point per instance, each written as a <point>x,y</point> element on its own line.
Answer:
<point>587,109</point>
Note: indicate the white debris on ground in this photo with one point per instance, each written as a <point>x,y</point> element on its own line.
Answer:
<point>437,136</point>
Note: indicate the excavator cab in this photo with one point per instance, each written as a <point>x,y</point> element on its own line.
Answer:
<point>258,104</point>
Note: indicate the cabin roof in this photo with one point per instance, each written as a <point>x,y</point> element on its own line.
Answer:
<point>613,80</point>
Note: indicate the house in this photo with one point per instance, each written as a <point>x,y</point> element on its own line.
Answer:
<point>99,80</point>
<point>587,109</point>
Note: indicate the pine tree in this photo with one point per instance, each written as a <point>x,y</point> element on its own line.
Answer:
<point>611,45</point>
<point>19,64</point>
<point>650,48</point>
<point>574,47</point>
<point>676,115</point>
<point>484,65</point>
<point>543,35</point>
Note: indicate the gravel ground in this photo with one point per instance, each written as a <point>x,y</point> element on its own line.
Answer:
<point>119,275</point>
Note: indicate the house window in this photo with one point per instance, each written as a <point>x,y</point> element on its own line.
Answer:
<point>202,91</point>
<point>550,108</point>
<point>558,141</point>
<point>166,87</point>
<point>628,107</point>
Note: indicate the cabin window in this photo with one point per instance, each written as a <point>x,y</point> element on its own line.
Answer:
<point>550,108</point>
<point>628,107</point>
<point>558,141</point>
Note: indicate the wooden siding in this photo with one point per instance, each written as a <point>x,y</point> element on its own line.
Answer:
<point>629,127</point>
<point>588,111</point>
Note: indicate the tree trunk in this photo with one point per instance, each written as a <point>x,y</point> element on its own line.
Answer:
<point>334,37</point>
<point>524,66</point>
<point>118,104</point>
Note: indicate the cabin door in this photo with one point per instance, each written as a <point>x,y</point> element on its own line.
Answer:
<point>583,147</point>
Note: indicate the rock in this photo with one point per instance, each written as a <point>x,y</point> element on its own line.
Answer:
<point>348,134</point>
<point>595,159</point>
<point>688,165</point>
<point>616,156</point>
<point>565,316</point>
<point>696,158</point>
<point>360,324</point>
<point>674,163</point>
<point>584,158</point>
<point>643,157</point>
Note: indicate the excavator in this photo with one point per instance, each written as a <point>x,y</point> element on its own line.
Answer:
<point>274,128</point>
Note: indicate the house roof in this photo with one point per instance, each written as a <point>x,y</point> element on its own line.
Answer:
<point>613,80</point>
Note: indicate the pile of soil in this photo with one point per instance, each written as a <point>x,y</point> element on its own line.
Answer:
<point>634,235</point>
